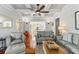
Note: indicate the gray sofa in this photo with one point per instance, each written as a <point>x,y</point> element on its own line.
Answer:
<point>15,48</point>
<point>15,44</point>
<point>71,42</point>
<point>43,35</point>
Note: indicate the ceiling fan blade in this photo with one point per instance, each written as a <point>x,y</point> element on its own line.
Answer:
<point>42,7</point>
<point>38,4</point>
<point>44,11</point>
<point>37,8</point>
<point>39,14</point>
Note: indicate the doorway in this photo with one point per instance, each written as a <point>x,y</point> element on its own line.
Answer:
<point>57,24</point>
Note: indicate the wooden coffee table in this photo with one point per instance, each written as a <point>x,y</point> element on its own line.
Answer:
<point>60,50</point>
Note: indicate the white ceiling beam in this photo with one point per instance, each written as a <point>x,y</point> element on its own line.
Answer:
<point>47,6</point>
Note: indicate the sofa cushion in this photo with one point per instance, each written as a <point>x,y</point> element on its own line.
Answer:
<point>70,38</point>
<point>16,34</point>
<point>8,41</point>
<point>62,42</point>
<point>12,38</point>
<point>59,37</point>
<point>44,33</point>
<point>16,42</point>
<point>15,49</point>
<point>76,39</point>
<point>65,37</point>
<point>73,48</point>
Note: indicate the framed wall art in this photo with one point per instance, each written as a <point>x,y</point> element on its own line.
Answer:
<point>77,20</point>
<point>7,24</point>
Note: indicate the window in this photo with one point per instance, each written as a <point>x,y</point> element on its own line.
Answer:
<point>7,24</point>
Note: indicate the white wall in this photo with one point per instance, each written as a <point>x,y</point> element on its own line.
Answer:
<point>67,17</point>
<point>48,27</point>
<point>9,14</point>
<point>51,25</point>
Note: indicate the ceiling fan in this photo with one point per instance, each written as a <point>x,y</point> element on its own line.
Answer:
<point>40,9</point>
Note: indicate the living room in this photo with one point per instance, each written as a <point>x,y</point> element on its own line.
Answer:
<point>58,22</point>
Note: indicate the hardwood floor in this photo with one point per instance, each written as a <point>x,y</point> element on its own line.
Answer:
<point>39,49</point>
